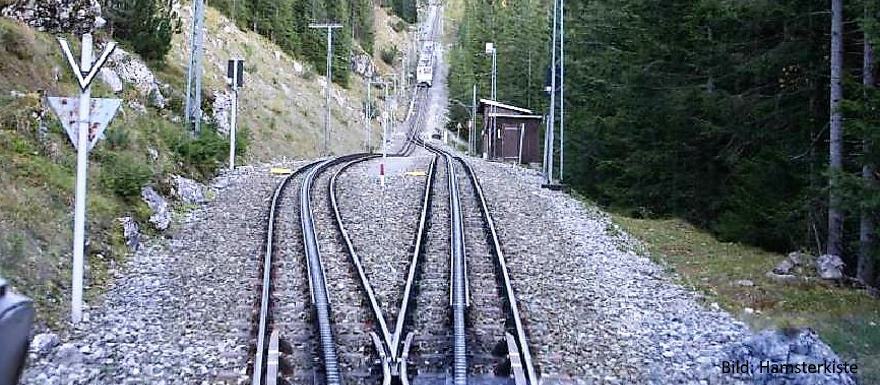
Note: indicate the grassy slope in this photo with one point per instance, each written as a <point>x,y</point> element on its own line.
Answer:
<point>279,108</point>
<point>282,110</point>
<point>848,320</point>
<point>37,175</point>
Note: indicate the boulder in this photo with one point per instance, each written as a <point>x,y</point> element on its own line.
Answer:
<point>829,267</point>
<point>130,69</point>
<point>782,278</point>
<point>792,346</point>
<point>44,343</point>
<point>189,191</point>
<point>130,232</point>
<point>362,64</point>
<point>786,265</point>
<point>161,217</point>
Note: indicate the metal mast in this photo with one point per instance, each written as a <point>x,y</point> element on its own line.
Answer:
<point>329,84</point>
<point>193,107</point>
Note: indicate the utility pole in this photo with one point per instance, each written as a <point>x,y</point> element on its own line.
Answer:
<point>561,90</point>
<point>472,134</point>
<point>368,115</point>
<point>491,49</point>
<point>330,26</point>
<point>551,123</point>
<point>193,107</point>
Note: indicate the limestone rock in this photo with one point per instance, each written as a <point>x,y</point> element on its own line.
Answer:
<point>57,16</point>
<point>222,108</point>
<point>789,346</point>
<point>130,232</point>
<point>829,267</point>
<point>44,343</point>
<point>161,217</point>
<point>188,190</point>
<point>68,354</point>
<point>130,69</point>
<point>109,77</point>
<point>362,64</point>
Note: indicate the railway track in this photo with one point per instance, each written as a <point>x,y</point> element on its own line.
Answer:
<point>320,320</point>
<point>457,317</point>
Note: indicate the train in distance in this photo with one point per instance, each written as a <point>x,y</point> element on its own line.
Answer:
<point>425,67</point>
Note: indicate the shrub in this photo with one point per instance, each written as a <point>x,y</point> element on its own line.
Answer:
<point>201,155</point>
<point>400,25</point>
<point>124,175</point>
<point>390,54</point>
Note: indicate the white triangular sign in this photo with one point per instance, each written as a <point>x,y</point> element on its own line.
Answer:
<point>101,112</point>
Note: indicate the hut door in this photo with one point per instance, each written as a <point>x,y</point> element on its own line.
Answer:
<point>510,141</point>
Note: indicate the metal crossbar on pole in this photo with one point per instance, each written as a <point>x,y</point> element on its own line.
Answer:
<point>329,26</point>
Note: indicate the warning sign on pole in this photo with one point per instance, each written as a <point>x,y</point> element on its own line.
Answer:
<point>85,120</point>
<point>101,111</point>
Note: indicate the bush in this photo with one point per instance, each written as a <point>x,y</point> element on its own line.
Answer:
<point>201,155</point>
<point>400,25</point>
<point>124,175</point>
<point>390,54</point>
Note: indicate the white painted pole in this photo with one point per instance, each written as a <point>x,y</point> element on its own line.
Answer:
<point>386,121</point>
<point>82,159</point>
<point>370,116</point>
<point>367,115</point>
<point>232,126</point>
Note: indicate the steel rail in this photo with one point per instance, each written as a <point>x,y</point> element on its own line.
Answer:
<point>353,255</point>
<point>514,319</point>
<point>263,326</point>
<point>459,280</point>
<point>317,276</point>
<point>418,250</point>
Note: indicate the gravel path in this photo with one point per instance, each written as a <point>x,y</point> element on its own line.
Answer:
<point>596,310</point>
<point>180,311</point>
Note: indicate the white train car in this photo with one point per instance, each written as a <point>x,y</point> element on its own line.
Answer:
<point>425,67</point>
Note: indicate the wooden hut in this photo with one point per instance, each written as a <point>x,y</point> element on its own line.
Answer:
<point>510,133</point>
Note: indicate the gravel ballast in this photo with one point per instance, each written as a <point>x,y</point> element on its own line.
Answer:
<point>382,222</point>
<point>179,312</point>
<point>595,310</point>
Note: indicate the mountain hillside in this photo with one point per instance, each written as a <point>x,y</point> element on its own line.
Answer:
<point>280,116</point>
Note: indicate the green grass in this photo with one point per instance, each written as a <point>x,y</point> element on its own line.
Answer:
<point>38,176</point>
<point>847,319</point>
